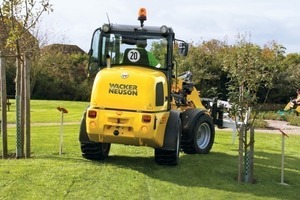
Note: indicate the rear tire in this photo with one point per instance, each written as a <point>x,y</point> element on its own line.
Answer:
<point>170,157</point>
<point>95,151</point>
<point>89,149</point>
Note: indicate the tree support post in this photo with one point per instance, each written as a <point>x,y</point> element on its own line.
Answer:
<point>283,135</point>
<point>62,111</point>
<point>19,110</point>
<point>27,106</point>
<point>3,107</point>
<point>252,154</point>
<point>241,151</point>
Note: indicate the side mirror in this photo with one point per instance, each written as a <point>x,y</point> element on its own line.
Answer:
<point>92,68</point>
<point>183,48</point>
<point>90,52</point>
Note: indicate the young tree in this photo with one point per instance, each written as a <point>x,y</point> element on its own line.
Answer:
<point>249,68</point>
<point>17,18</point>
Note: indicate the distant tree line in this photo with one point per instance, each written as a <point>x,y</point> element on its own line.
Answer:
<point>63,76</point>
<point>209,63</point>
<point>56,76</point>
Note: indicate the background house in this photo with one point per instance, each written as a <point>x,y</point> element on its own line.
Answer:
<point>63,48</point>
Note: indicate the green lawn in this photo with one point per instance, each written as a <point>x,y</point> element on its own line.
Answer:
<point>131,173</point>
<point>46,111</point>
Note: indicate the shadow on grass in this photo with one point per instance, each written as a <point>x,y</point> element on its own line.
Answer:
<point>219,171</point>
<point>215,170</point>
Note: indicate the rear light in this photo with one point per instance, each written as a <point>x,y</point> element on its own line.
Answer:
<point>92,124</point>
<point>92,114</point>
<point>146,118</point>
<point>144,128</point>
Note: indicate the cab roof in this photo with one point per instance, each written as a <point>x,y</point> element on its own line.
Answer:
<point>160,30</point>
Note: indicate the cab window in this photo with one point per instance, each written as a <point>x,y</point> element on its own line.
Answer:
<point>116,46</point>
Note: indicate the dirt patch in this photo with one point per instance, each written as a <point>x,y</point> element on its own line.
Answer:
<point>274,125</point>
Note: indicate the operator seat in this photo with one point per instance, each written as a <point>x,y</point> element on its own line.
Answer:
<point>137,56</point>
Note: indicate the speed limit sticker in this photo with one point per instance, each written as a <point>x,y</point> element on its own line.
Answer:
<point>133,55</point>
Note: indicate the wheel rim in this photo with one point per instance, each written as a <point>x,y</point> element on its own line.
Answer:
<point>203,135</point>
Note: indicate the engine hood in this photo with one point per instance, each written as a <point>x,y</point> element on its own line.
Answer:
<point>130,88</point>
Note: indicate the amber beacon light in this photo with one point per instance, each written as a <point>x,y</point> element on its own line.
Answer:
<point>142,16</point>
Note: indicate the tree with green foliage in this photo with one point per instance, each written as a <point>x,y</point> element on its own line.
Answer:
<point>289,78</point>
<point>17,19</point>
<point>62,77</point>
<point>249,69</point>
<point>201,61</point>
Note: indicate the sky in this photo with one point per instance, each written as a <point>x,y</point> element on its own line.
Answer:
<point>73,21</point>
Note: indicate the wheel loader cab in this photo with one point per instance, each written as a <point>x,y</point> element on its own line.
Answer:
<point>122,48</point>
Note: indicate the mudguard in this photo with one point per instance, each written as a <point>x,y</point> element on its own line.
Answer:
<point>171,131</point>
<point>189,118</point>
<point>83,137</point>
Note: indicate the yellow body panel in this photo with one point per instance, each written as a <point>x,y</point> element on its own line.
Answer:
<point>290,105</point>
<point>130,127</point>
<point>193,99</point>
<point>120,97</point>
<point>128,88</point>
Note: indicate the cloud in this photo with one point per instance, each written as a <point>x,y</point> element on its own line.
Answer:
<point>192,20</point>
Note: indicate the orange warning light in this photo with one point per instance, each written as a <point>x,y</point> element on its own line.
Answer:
<point>142,14</point>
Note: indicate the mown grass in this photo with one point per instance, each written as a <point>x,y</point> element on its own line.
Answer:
<point>131,173</point>
<point>46,111</point>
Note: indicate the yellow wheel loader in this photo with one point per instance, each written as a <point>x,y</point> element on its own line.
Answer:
<point>292,107</point>
<point>136,100</point>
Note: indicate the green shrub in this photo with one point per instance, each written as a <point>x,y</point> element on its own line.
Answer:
<point>290,117</point>
<point>271,115</point>
<point>260,124</point>
<point>293,119</point>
